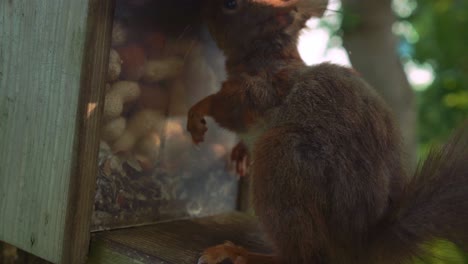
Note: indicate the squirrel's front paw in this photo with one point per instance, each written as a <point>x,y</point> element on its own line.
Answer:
<point>227,253</point>
<point>196,125</point>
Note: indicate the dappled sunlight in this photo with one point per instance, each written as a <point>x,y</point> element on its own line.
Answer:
<point>419,76</point>
<point>316,45</point>
<point>91,108</point>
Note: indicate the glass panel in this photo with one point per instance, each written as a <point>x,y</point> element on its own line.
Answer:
<point>162,61</point>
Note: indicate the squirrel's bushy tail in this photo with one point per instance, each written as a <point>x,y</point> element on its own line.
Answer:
<point>434,205</point>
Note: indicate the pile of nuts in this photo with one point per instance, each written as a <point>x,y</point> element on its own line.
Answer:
<point>144,87</point>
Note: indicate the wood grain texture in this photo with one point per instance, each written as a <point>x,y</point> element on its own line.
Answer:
<point>93,81</point>
<point>44,88</point>
<point>178,242</point>
<point>102,253</point>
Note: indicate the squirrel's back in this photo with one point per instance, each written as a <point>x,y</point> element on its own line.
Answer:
<point>329,184</point>
<point>328,168</point>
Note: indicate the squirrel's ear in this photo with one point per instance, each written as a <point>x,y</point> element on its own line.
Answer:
<point>314,8</point>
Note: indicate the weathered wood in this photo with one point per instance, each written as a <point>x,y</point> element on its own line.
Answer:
<point>46,83</point>
<point>178,242</point>
<point>102,253</point>
<point>93,81</point>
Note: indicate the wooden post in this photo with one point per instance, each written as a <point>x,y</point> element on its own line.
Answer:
<point>53,59</point>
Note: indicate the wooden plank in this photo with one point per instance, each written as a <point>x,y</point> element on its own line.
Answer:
<point>102,253</point>
<point>42,47</point>
<point>93,81</point>
<point>178,242</point>
<point>8,253</point>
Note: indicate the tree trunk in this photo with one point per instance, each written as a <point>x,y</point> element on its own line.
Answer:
<point>372,48</point>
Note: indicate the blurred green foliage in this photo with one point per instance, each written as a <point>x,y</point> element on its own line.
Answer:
<point>441,40</point>
<point>438,36</point>
<point>442,252</point>
<point>433,33</point>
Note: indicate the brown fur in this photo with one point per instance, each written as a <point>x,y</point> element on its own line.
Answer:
<point>328,181</point>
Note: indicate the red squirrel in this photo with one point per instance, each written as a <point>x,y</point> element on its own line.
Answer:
<point>328,181</point>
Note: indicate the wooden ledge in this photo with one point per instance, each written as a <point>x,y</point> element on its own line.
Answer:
<point>178,242</point>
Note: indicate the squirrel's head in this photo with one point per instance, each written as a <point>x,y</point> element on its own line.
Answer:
<point>238,24</point>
